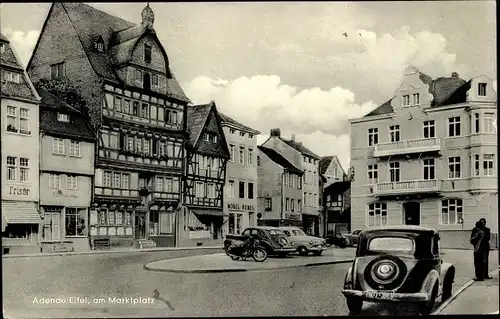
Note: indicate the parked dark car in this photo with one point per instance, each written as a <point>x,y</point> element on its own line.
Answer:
<point>353,237</point>
<point>398,264</point>
<point>272,239</point>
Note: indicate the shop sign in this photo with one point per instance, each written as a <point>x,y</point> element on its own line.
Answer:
<point>239,207</point>
<point>22,191</point>
<point>59,193</point>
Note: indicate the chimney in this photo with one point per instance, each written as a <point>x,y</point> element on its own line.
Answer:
<point>454,75</point>
<point>293,137</point>
<point>275,132</point>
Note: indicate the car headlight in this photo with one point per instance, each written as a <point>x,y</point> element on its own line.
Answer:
<point>324,241</point>
<point>311,242</point>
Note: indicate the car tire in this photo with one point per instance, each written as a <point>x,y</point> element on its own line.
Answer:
<point>426,307</point>
<point>318,253</point>
<point>303,251</point>
<point>282,255</point>
<point>447,287</point>
<point>354,305</point>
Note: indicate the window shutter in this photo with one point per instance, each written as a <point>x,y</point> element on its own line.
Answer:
<point>53,72</point>
<point>122,141</point>
<point>155,147</point>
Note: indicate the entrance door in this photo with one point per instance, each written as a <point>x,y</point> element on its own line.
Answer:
<point>140,225</point>
<point>411,213</point>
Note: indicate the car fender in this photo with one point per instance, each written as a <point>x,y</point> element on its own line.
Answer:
<point>348,284</point>
<point>447,268</point>
<point>430,280</point>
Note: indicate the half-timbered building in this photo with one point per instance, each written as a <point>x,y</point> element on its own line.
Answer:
<point>136,107</point>
<point>207,156</point>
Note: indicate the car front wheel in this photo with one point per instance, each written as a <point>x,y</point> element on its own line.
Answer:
<point>318,253</point>
<point>354,304</point>
<point>447,287</point>
<point>427,306</point>
<point>303,251</point>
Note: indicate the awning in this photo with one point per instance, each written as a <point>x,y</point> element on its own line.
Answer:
<point>209,212</point>
<point>312,214</point>
<point>20,213</point>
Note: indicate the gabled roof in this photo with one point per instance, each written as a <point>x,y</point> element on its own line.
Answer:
<point>196,118</point>
<point>228,120</point>
<point>90,24</point>
<point>78,128</point>
<point>446,91</point>
<point>280,160</point>
<point>324,162</point>
<point>3,38</point>
<point>299,147</point>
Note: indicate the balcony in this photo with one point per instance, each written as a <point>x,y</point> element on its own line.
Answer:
<point>407,147</point>
<point>407,187</point>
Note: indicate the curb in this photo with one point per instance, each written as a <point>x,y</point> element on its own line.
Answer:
<point>456,294</point>
<point>101,252</point>
<point>208,271</point>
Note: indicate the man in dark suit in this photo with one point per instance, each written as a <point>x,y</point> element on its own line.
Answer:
<point>476,238</point>
<point>485,248</point>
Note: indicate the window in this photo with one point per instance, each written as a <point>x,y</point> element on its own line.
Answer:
<point>24,169</point>
<point>250,136</point>
<point>159,184</point>
<point>481,89</point>
<point>305,199</point>
<point>287,204</point>
<point>299,182</point>
<point>57,71</point>
<point>125,181</point>
<point>372,136</point>
<point>394,172</point>
<point>232,131</point>
<point>107,179</point>
<point>292,205</point>
<point>11,76</point>
<point>12,119</point>
<point>451,211</point>
<point>269,204</point>
<point>489,123</point>
<point>250,190</point>
<point>200,189</point>
<point>454,126</point>
<point>116,180</point>
<point>241,190</point>
<point>118,104</point>
<point>71,182</point>
<point>394,133</point>
<point>75,221</point>
<point>147,53</point>
<point>488,162</point>
<point>475,170</point>
<point>230,192</point>
<point>11,168</point>
<point>242,134</point>
<point>63,117</point>
<point>290,180</point>
<point>429,129</point>
<point>454,167</point>
<point>126,107</point>
<point>2,48</point>
<point>99,46</point>
<point>373,174</point>
<point>24,117</point>
<point>55,181</point>
<point>429,169</point>
<point>58,146</point>
<point>416,99</point>
<point>155,80</point>
<point>144,110</point>
<point>231,150</point>
<point>210,137</point>
<point>174,118</point>
<point>377,214</point>
<point>135,108</point>
<point>210,190</point>
<point>476,123</point>
<point>138,145</point>
<point>406,100</point>
<point>74,149</point>
<point>385,244</point>
<point>242,155</point>
<point>299,205</point>
<point>250,157</point>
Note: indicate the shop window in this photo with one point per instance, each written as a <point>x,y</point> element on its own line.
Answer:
<point>75,222</point>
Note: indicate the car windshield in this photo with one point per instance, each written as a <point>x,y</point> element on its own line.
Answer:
<point>275,232</point>
<point>298,232</point>
<point>391,244</point>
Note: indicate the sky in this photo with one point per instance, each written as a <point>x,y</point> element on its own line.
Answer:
<point>304,67</point>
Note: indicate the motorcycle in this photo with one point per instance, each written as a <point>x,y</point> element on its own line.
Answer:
<point>337,240</point>
<point>250,248</point>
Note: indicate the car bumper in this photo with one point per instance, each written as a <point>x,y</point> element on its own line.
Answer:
<point>368,296</point>
<point>317,248</point>
<point>284,250</point>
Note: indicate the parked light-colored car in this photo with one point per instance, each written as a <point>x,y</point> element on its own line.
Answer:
<point>353,237</point>
<point>303,242</point>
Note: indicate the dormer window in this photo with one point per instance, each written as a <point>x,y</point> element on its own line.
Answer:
<point>481,89</point>
<point>154,80</point>
<point>210,137</point>
<point>99,46</point>
<point>416,99</point>
<point>147,53</point>
<point>406,100</point>
<point>138,75</point>
<point>11,76</point>
<point>63,117</point>
<point>2,48</point>
<point>57,71</point>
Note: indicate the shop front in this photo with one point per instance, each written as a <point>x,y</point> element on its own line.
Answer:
<point>201,227</point>
<point>162,219</point>
<point>239,216</point>
<point>20,227</point>
<point>310,224</point>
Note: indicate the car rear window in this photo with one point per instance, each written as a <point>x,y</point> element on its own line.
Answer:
<point>391,244</point>
<point>275,232</point>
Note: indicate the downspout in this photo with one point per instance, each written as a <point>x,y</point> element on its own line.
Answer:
<point>282,215</point>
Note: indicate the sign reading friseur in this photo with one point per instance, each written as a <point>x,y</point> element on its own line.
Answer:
<point>239,207</point>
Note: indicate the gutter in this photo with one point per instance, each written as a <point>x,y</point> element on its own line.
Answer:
<point>282,196</point>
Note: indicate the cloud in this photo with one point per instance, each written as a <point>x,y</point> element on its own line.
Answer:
<point>23,43</point>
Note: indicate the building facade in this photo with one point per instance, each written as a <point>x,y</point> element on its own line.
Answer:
<point>207,155</point>
<point>308,162</point>
<point>137,109</point>
<point>67,153</point>
<point>428,157</point>
<point>21,219</point>
<point>279,190</point>
<point>240,195</point>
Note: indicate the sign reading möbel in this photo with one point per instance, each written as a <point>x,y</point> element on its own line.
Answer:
<point>241,207</point>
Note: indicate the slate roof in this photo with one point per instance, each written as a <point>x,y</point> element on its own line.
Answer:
<point>299,147</point>
<point>280,160</point>
<point>196,118</point>
<point>229,120</point>
<point>10,62</point>
<point>446,91</point>
<point>77,128</point>
<point>324,162</point>
<point>91,23</point>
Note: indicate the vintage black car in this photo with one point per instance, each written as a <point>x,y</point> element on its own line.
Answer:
<point>398,264</point>
<point>272,239</point>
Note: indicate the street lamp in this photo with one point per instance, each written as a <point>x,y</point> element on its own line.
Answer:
<point>461,221</point>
